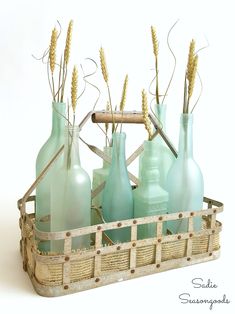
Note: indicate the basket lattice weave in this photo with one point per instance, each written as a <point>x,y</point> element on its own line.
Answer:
<point>59,274</point>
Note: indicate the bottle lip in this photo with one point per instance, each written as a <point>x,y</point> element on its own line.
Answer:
<point>74,128</point>
<point>186,117</point>
<point>58,104</point>
<point>119,134</point>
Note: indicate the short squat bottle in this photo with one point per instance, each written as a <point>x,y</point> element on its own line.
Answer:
<point>150,198</point>
<point>185,180</point>
<point>70,195</point>
<point>46,153</point>
<point>117,203</point>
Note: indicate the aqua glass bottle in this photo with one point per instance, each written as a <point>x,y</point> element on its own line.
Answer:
<point>70,195</point>
<point>164,154</point>
<point>99,176</point>
<point>46,153</point>
<point>117,203</point>
<point>149,197</point>
<point>185,181</point>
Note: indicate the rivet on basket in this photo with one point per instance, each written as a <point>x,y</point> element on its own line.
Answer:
<point>210,254</point>
<point>118,248</point>
<point>180,215</point>
<point>134,221</point>
<point>191,235</point>
<point>97,279</point>
<point>192,213</point>
<point>189,259</point>
<point>159,240</point>
<point>132,271</point>
<point>119,224</point>
<point>160,218</point>
<point>179,237</point>
<point>66,287</point>
<point>158,265</point>
<point>68,234</point>
<point>214,211</point>
<point>134,244</point>
<point>98,251</point>
<point>66,258</point>
<point>213,231</point>
<point>99,228</point>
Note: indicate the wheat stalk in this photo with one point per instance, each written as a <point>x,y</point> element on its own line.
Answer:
<point>155,52</point>
<point>52,50</point>
<point>190,60</point>
<point>124,91</point>
<point>192,77</point>
<point>74,88</point>
<point>145,114</point>
<point>68,42</point>
<point>103,65</point>
<point>154,41</point>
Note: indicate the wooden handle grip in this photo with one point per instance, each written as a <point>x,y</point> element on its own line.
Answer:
<point>126,117</point>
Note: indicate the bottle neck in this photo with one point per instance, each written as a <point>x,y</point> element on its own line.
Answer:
<point>108,152</point>
<point>160,112</point>
<point>118,152</point>
<point>58,120</point>
<point>71,147</point>
<point>186,135</point>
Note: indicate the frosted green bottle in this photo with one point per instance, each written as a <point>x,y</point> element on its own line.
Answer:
<point>70,195</point>
<point>164,154</point>
<point>117,203</point>
<point>48,150</point>
<point>99,176</point>
<point>149,197</point>
<point>185,181</point>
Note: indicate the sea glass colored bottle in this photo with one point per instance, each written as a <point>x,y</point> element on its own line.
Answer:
<point>149,197</point>
<point>164,154</point>
<point>99,176</point>
<point>48,150</point>
<point>117,203</point>
<point>70,195</point>
<point>185,181</point>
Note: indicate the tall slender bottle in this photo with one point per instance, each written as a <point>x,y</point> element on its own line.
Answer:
<point>149,197</point>
<point>70,195</point>
<point>48,150</point>
<point>99,176</point>
<point>185,181</point>
<point>117,203</point>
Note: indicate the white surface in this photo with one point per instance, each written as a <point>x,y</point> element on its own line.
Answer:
<point>123,28</point>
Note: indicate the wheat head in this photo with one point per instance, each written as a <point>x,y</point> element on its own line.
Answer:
<point>124,91</point>
<point>52,50</point>
<point>193,76</point>
<point>191,56</point>
<point>68,42</point>
<point>103,65</point>
<point>155,41</point>
<point>145,114</point>
<point>74,88</point>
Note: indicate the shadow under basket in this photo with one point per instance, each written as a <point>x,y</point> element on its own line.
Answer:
<point>55,275</point>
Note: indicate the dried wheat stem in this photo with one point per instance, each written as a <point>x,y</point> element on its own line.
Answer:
<point>193,76</point>
<point>124,90</point>
<point>145,114</point>
<point>74,88</point>
<point>68,43</point>
<point>107,125</point>
<point>103,65</point>
<point>155,41</point>
<point>190,59</point>
<point>52,50</point>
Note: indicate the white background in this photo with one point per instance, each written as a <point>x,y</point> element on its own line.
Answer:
<point>123,29</point>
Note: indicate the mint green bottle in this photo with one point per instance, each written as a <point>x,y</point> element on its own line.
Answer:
<point>70,195</point>
<point>149,197</point>
<point>48,150</point>
<point>117,203</point>
<point>99,176</point>
<point>185,181</point>
<point>164,154</point>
